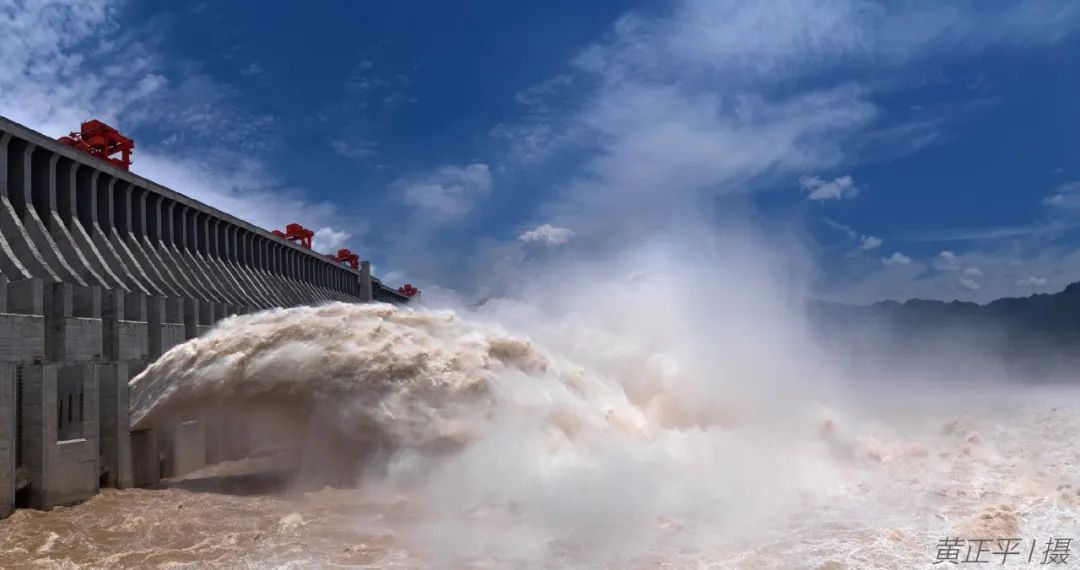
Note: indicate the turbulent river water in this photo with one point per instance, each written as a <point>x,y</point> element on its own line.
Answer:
<point>404,438</point>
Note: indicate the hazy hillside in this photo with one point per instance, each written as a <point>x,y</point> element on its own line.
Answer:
<point>1033,328</point>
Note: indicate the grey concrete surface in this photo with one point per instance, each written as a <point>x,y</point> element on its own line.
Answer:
<point>7,439</point>
<point>115,442</point>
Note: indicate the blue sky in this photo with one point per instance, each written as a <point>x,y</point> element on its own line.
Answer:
<point>918,149</point>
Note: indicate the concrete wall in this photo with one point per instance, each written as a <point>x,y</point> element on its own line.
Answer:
<point>7,439</point>
<point>61,471</point>
<point>68,217</point>
<point>116,468</point>
<point>101,272</point>
<point>145,458</point>
<point>22,338</point>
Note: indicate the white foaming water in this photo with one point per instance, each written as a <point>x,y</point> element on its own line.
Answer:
<point>476,418</point>
<point>678,415</point>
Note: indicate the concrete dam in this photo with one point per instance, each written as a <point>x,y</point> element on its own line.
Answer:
<point>101,272</point>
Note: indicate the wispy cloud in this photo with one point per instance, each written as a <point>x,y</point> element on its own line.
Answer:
<point>946,261</point>
<point>646,113</point>
<point>993,233</point>
<point>666,112</point>
<point>978,275</point>
<point>538,132</point>
<point>870,242</point>
<point>1065,197</point>
<point>904,138</point>
<point>1062,206</point>
<point>864,242</point>
<point>840,188</point>
<point>897,259</point>
<point>58,67</point>
<point>848,230</point>
<point>448,193</point>
<point>547,234</point>
<point>241,186</point>
<point>355,148</point>
<point>41,56</point>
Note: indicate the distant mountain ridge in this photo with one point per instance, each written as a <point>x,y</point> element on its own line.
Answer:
<point>1037,325</point>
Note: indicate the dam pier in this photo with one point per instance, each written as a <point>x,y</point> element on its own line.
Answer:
<point>101,272</point>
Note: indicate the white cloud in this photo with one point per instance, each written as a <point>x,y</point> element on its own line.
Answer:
<point>64,62</point>
<point>946,261</point>
<point>240,186</point>
<point>973,272</point>
<point>841,188</point>
<point>1066,197</point>
<point>865,242</point>
<point>897,259</point>
<point>329,240</point>
<point>534,137</point>
<point>870,242</point>
<point>904,138</point>
<point>1005,272</point>
<point>969,284</point>
<point>448,193</point>
<point>45,82</point>
<point>988,234</point>
<point>547,234</point>
<point>644,111</point>
<point>529,140</point>
<point>706,99</point>
<point>1072,187</point>
<point>848,230</point>
<point>538,97</point>
<point>1056,200</point>
<point>692,144</point>
<point>795,38</point>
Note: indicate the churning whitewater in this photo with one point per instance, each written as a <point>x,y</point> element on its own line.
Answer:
<point>490,432</point>
<point>398,380</point>
<point>448,440</point>
<point>600,426</point>
<point>381,436</point>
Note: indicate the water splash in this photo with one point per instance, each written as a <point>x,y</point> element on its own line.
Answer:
<point>621,427</point>
<point>489,429</point>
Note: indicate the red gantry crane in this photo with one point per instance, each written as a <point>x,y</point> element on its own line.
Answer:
<point>297,234</point>
<point>347,257</point>
<point>100,140</point>
<point>303,236</point>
